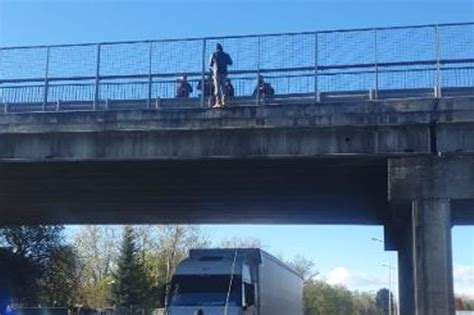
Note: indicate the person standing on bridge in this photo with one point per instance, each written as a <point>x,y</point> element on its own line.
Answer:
<point>219,62</point>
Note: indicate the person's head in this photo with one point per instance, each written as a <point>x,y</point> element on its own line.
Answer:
<point>184,77</point>
<point>199,312</point>
<point>219,47</point>
<point>261,79</point>
<point>227,81</point>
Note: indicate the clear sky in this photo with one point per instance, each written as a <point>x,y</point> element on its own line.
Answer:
<point>342,254</point>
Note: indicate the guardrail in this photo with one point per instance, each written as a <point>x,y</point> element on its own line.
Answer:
<point>314,66</point>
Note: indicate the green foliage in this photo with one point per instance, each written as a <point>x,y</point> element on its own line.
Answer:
<point>365,304</point>
<point>97,247</point>
<point>97,271</point>
<point>97,294</point>
<point>464,303</point>
<point>158,249</point>
<point>130,285</point>
<point>33,242</point>
<point>321,298</point>
<point>30,251</point>
<point>58,284</point>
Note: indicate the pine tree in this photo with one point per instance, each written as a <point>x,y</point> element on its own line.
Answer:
<point>130,284</point>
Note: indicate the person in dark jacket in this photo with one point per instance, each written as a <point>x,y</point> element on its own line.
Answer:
<point>208,89</point>
<point>208,86</point>
<point>183,88</point>
<point>229,90</point>
<point>263,89</point>
<point>219,62</point>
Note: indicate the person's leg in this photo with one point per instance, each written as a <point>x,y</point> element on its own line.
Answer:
<point>223,80</point>
<point>219,89</point>
<point>215,82</point>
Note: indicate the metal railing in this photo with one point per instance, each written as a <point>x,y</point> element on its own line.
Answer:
<point>371,63</point>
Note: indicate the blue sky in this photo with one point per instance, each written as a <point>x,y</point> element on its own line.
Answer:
<point>342,254</point>
<point>26,22</point>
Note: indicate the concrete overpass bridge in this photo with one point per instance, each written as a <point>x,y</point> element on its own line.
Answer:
<point>389,142</point>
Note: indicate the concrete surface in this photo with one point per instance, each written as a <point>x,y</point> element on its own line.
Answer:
<point>407,164</point>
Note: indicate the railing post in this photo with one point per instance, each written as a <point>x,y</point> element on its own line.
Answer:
<point>97,78</point>
<point>150,78</point>
<point>203,74</point>
<point>376,67</point>
<point>316,65</point>
<point>437,89</point>
<point>2,92</point>
<point>258,70</point>
<point>46,82</point>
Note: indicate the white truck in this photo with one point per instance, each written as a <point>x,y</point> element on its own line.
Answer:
<point>242,281</point>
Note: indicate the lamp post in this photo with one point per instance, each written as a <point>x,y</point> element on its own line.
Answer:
<point>390,268</point>
<point>389,286</point>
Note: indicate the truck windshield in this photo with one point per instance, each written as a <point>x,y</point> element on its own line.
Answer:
<point>210,290</point>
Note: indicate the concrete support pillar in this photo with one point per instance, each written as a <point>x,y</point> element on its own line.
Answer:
<point>432,253</point>
<point>435,187</point>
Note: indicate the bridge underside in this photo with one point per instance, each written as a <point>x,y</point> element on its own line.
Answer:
<point>282,191</point>
<point>275,191</point>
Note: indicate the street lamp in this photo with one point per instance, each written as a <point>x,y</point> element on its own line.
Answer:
<point>377,240</point>
<point>389,286</point>
<point>389,266</point>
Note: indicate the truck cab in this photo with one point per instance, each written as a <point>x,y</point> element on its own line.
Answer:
<point>233,282</point>
<point>212,283</point>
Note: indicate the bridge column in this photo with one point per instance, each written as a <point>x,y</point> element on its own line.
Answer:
<point>430,190</point>
<point>425,259</point>
<point>432,257</point>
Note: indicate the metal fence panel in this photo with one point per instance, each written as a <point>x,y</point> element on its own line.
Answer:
<point>23,63</point>
<point>124,59</point>
<point>422,61</point>
<point>72,61</point>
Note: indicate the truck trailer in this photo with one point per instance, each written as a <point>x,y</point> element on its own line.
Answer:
<point>241,281</point>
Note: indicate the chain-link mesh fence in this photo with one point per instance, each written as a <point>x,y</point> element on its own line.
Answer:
<point>384,62</point>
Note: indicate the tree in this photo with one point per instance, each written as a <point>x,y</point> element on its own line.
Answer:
<point>97,247</point>
<point>58,284</point>
<point>33,242</point>
<point>321,298</point>
<point>130,283</point>
<point>30,252</point>
<point>364,304</point>
<point>458,304</point>
<point>175,242</point>
<point>464,303</point>
<point>304,266</point>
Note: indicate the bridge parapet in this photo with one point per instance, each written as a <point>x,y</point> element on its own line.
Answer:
<point>425,60</point>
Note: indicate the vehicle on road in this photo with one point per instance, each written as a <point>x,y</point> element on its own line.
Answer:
<point>241,281</point>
